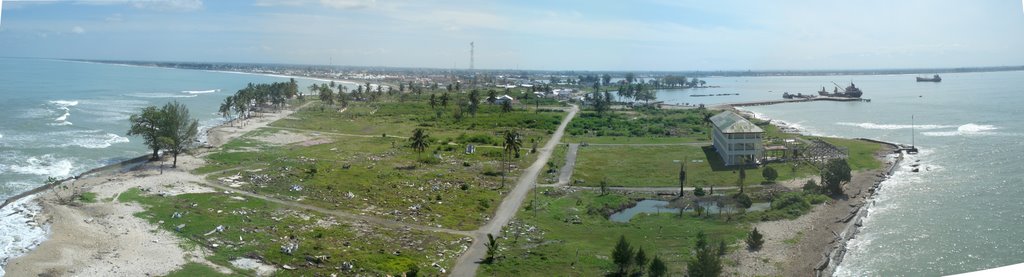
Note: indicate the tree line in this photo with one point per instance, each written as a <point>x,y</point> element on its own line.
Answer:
<point>245,100</point>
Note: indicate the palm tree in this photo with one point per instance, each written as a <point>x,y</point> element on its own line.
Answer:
<point>512,145</point>
<point>420,140</point>
<point>225,108</point>
<point>327,96</point>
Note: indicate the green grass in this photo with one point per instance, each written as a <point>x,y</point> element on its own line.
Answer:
<point>639,126</point>
<point>654,166</point>
<point>862,153</point>
<point>196,269</point>
<point>253,227</point>
<point>387,178</point>
<point>87,197</point>
<point>561,248</point>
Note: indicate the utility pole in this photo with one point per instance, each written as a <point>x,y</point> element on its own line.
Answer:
<point>471,55</point>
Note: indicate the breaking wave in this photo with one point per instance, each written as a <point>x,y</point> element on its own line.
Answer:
<point>160,95</point>
<point>21,231</point>
<point>200,91</point>
<point>969,129</point>
<point>875,126</point>
<point>45,165</point>
<point>103,141</point>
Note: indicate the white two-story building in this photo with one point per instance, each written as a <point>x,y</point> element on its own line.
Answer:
<point>737,140</point>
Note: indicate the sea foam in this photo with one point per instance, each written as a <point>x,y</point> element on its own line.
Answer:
<point>21,231</point>
<point>200,91</point>
<point>875,126</point>
<point>45,165</point>
<point>969,129</point>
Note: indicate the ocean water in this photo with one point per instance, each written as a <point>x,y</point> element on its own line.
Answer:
<point>61,118</point>
<point>964,210</point>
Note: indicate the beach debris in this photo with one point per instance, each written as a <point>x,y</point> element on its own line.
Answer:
<point>296,188</point>
<point>288,267</point>
<point>220,228</point>
<point>179,227</point>
<point>176,215</point>
<point>346,266</point>
<point>350,195</point>
<point>290,247</point>
<point>89,220</point>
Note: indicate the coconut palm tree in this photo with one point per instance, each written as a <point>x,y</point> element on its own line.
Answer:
<point>225,108</point>
<point>419,140</point>
<point>512,145</point>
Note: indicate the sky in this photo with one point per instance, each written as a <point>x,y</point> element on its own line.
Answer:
<point>656,35</point>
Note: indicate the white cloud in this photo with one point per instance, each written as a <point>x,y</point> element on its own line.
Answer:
<point>348,4</point>
<point>117,17</point>
<point>78,30</point>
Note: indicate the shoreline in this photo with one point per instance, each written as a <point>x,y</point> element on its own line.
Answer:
<point>815,243</point>
<point>104,237</point>
<point>318,79</point>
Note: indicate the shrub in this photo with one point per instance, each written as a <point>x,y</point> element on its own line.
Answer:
<point>815,198</point>
<point>792,204</point>
<point>811,186</point>
<point>769,174</point>
<point>743,200</point>
<point>699,191</point>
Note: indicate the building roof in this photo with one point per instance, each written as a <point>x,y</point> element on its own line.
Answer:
<point>730,122</point>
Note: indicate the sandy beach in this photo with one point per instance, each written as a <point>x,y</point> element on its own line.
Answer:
<point>105,238</point>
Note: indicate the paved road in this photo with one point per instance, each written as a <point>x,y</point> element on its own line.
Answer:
<point>652,144</point>
<point>468,263</point>
<point>570,164</point>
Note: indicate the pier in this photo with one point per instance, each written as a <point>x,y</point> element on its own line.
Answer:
<point>783,101</point>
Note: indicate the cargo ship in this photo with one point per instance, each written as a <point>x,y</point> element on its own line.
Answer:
<point>935,78</point>
<point>850,91</point>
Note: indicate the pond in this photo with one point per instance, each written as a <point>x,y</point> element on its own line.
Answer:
<point>659,206</point>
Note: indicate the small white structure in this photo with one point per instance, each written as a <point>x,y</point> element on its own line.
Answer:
<point>736,139</point>
<point>504,98</point>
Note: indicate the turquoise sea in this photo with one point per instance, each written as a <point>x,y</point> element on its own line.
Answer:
<point>61,118</point>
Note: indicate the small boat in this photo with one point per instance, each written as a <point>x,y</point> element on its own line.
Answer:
<point>934,78</point>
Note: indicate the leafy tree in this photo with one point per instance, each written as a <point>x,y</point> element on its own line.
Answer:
<point>630,77</point>
<point>147,124</point>
<point>326,96</point>
<point>640,261</point>
<point>419,140</point>
<point>444,100</point>
<point>606,79</point>
<point>492,248</point>
<point>622,255</point>
<point>755,240</point>
<point>705,262</point>
<point>769,174</point>
<point>178,129</point>
<point>657,268</point>
<point>836,173</point>
<point>474,102</point>
<point>698,191</point>
<point>433,101</point>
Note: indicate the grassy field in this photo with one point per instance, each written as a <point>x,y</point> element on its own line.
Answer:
<point>641,126</point>
<point>380,175</point>
<point>559,247</point>
<point>258,229</point>
<point>658,166</point>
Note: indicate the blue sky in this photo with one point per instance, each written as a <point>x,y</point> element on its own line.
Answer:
<point>529,34</point>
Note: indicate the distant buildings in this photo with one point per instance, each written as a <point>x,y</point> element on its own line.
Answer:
<point>735,139</point>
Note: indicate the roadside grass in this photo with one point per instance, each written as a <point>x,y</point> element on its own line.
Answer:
<point>862,153</point>
<point>658,166</point>
<point>258,229</point>
<point>87,197</point>
<point>558,247</point>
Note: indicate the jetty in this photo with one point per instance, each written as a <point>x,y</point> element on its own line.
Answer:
<point>795,100</point>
